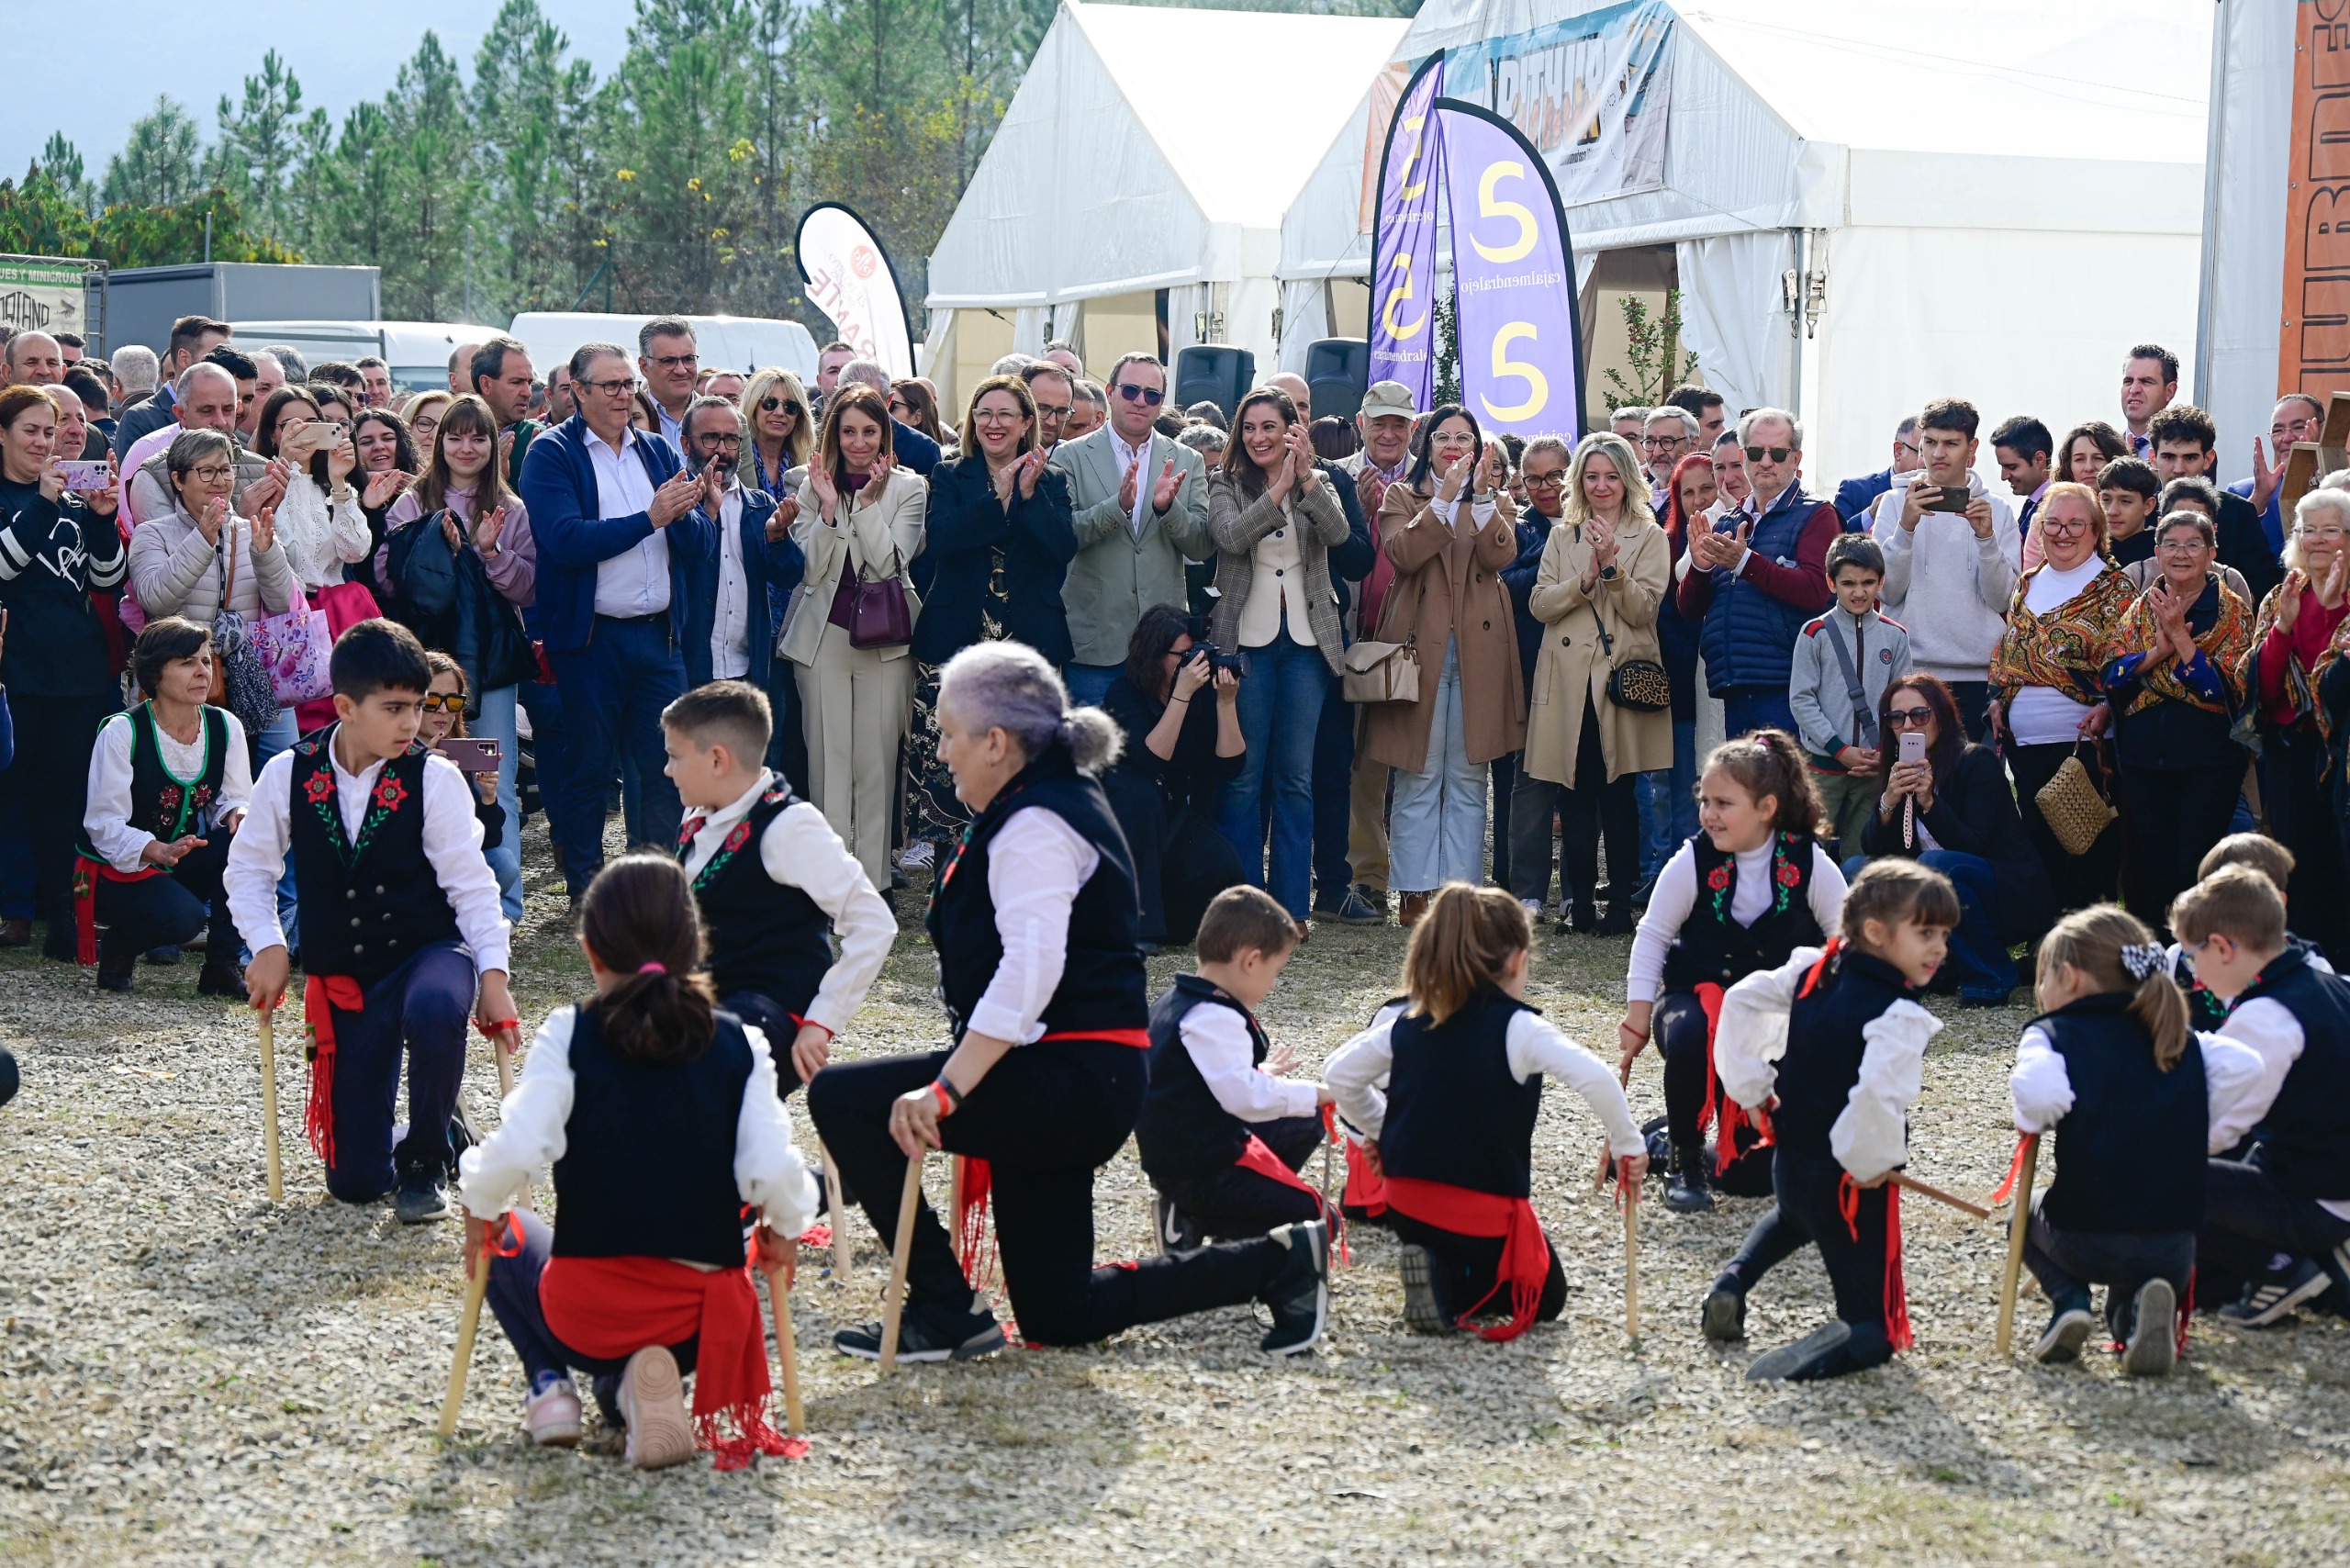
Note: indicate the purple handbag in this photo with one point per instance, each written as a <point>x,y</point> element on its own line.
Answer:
<point>878,613</point>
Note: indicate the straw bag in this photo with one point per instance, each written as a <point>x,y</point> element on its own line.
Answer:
<point>2069,803</point>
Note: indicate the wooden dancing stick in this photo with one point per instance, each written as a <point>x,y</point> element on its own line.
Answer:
<point>468,1321</point>
<point>894,1300</point>
<point>1952,1199</point>
<point>501,1045</point>
<point>787,1347</point>
<point>2018,1223</point>
<point>1632,1263</point>
<point>844,1252</point>
<point>269,1104</point>
<point>955,1207</point>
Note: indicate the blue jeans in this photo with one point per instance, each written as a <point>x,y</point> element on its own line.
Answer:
<point>279,734</point>
<point>1979,951</point>
<point>1089,684</point>
<point>613,692</point>
<point>1281,709</point>
<point>496,723</point>
<point>1668,802</point>
<point>1333,780</point>
<point>1436,828</point>
<point>1746,709</point>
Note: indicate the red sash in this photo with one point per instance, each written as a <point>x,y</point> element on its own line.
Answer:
<point>1366,1188</point>
<point>1256,1156</point>
<point>87,875</point>
<point>1526,1253</point>
<point>612,1307</point>
<point>1896,1292</point>
<point>321,995</point>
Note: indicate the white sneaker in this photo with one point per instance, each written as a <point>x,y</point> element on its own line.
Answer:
<point>918,854</point>
<point>1533,907</point>
<point>552,1414</point>
<point>653,1403</point>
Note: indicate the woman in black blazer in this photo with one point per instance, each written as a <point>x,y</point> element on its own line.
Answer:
<point>1955,813</point>
<point>1000,537</point>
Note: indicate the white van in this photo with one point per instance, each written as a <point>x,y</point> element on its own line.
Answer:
<point>418,351</point>
<point>740,343</point>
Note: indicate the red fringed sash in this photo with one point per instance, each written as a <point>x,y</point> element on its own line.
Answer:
<point>1526,1253</point>
<point>1897,1290</point>
<point>2015,1166</point>
<point>322,996</point>
<point>87,875</point>
<point>1366,1188</point>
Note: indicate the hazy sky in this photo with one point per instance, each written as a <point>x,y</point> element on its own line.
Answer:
<point>196,51</point>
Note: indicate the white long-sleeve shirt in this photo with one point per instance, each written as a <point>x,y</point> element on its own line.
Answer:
<point>2232,1073</point>
<point>769,1172</point>
<point>2268,1027</point>
<point>730,626</point>
<point>800,850</point>
<point>1217,1039</point>
<point>452,844</point>
<point>1036,863</point>
<point>1359,1068</point>
<point>1870,1135</point>
<point>321,532</point>
<point>107,818</point>
<point>1676,894</point>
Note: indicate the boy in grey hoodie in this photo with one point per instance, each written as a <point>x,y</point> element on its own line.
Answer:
<point>1843,661</point>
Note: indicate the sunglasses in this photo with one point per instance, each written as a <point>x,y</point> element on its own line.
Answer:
<point>1908,718</point>
<point>1775,453</point>
<point>770,405</point>
<point>1148,396</point>
<point>446,701</point>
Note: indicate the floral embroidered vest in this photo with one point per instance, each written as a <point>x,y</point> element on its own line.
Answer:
<point>373,902</point>
<point>1713,949</point>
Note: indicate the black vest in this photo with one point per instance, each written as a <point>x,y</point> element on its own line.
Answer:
<point>764,936</point>
<point>1712,948</point>
<point>1183,1134</point>
<point>367,907</point>
<point>1825,1046</point>
<point>1101,979</point>
<point>162,804</point>
<point>1455,1113</point>
<point>648,1159</point>
<point>2307,1130</point>
<point>2130,1153</point>
<point>2205,1010</point>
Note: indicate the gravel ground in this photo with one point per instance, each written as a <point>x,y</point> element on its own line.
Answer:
<point>190,1376</point>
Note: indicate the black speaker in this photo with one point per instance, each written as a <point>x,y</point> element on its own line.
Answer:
<point>1337,373</point>
<point>1214,373</point>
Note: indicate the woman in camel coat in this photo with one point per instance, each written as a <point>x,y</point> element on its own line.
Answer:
<point>1448,531</point>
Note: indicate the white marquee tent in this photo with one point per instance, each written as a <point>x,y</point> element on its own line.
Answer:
<point>1147,149</point>
<point>2003,195</point>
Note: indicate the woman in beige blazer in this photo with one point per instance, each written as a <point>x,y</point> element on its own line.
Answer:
<point>860,518</point>
<point>1604,573</point>
<point>1450,529</point>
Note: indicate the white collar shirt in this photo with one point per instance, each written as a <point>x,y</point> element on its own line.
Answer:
<point>1128,457</point>
<point>636,581</point>
<point>730,627</point>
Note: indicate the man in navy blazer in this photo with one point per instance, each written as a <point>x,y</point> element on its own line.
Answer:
<point>1854,497</point>
<point>617,552</point>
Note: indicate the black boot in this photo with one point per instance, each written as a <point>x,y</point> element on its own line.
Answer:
<point>221,977</point>
<point>1684,1193</point>
<point>117,965</point>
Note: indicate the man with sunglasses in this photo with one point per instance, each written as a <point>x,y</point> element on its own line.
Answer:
<point>667,360</point>
<point>1761,575</point>
<point>1141,507</point>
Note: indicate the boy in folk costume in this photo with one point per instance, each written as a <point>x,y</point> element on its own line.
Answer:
<point>772,882</point>
<point>2272,860</point>
<point>2280,1216</point>
<point>660,1115</point>
<point>1452,1136</point>
<point>399,914</point>
<point>1824,1052</point>
<point>1222,1136</point>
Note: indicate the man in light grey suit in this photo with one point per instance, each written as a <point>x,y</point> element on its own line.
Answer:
<point>1141,506</point>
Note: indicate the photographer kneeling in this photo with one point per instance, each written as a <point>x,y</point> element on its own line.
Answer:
<point>1178,755</point>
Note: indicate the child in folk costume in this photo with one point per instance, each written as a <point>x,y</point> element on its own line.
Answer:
<point>398,916</point>
<point>169,781</point>
<point>2272,860</point>
<point>772,880</point>
<point>1750,888</point>
<point>1452,1136</point>
<point>2279,1217</point>
<point>1824,1053</point>
<point>659,1114</point>
<point>1222,1136</point>
<point>2136,1103</point>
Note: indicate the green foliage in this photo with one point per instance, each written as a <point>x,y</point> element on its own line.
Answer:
<point>157,166</point>
<point>1652,348</point>
<point>39,219</point>
<point>1447,311</point>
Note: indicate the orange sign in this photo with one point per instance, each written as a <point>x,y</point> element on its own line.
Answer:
<point>2313,349</point>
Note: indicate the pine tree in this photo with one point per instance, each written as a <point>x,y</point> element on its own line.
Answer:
<point>157,164</point>
<point>62,161</point>
<point>261,141</point>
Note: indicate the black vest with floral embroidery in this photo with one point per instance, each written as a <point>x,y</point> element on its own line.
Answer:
<point>368,905</point>
<point>1713,949</point>
<point>764,936</point>
<point>162,804</point>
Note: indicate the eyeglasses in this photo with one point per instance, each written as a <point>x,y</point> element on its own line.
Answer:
<point>1775,453</point>
<point>675,361</point>
<point>1054,410</point>
<point>1908,718</point>
<point>1661,442</point>
<point>620,387</point>
<point>212,475</point>
<point>2064,525</point>
<point>446,701</point>
<point>1909,447</point>
<point>2180,546</point>
<point>722,443</point>
<point>1546,481</point>
<point>2331,534</point>
<point>1148,396</point>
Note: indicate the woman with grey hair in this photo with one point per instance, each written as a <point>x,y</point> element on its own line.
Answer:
<point>2298,640</point>
<point>1034,920</point>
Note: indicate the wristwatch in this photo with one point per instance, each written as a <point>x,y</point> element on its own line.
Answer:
<point>1608,574</point>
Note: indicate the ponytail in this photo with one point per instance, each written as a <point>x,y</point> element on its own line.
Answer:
<point>1768,762</point>
<point>1462,945</point>
<point>2115,951</point>
<point>2161,1007</point>
<point>639,921</point>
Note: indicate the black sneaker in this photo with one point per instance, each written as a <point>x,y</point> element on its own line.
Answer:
<point>424,1194</point>
<point>118,965</point>
<point>1660,1144</point>
<point>2273,1297</point>
<point>1807,1358</point>
<point>222,978</point>
<point>1723,1318</point>
<point>2067,1331</point>
<point>1684,1192</point>
<point>163,958</point>
<point>2153,1348</point>
<point>1173,1229</point>
<point>1423,1311</point>
<point>462,1135</point>
<point>1299,1295</point>
<point>927,1334</point>
<point>1362,906</point>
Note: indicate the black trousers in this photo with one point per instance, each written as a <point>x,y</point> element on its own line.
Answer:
<point>1472,1266</point>
<point>766,1015</point>
<point>1678,1027</point>
<point>1809,1209</point>
<point>2068,1262</point>
<point>169,909</point>
<point>1973,698</point>
<point>1596,807</point>
<point>2301,815</point>
<point>2174,818</point>
<point>2079,880</point>
<point>1237,1203</point>
<point>2249,1221</point>
<point>45,790</point>
<point>1046,1118</point>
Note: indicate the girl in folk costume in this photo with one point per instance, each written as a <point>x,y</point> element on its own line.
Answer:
<point>2138,1103</point>
<point>1824,1052</point>
<point>1452,1136</point>
<point>1750,888</point>
<point>660,1115</point>
<point>1034,920</point>
<point>169,781</point>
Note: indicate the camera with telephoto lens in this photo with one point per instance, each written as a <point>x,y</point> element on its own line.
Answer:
<point>1218,660</point>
